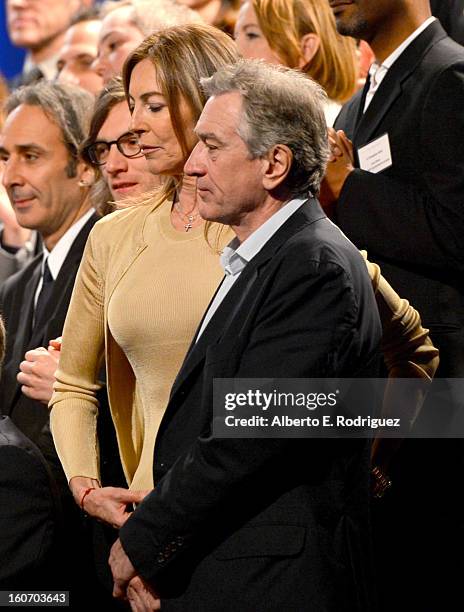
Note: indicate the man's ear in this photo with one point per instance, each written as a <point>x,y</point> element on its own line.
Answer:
<point>277,164</point>
<point>85,174</point>
<point>309,44</point>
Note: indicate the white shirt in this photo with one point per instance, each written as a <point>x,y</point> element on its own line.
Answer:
<point>377,71</point>
<point>47,67</point>
<point>235,256</point>
<point>55,258</point>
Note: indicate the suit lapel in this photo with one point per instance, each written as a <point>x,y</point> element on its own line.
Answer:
<point>23,330</point>
<point>392,85</point>
<point>231,313</point>
<point>63,285</point>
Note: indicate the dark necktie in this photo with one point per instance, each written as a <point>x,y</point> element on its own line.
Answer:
<point>366,88</point>
<point>44,295</point>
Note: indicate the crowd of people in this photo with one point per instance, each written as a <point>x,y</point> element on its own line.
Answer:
<point>195,191</point>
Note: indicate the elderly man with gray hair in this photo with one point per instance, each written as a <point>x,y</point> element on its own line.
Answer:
<point>257,524</point>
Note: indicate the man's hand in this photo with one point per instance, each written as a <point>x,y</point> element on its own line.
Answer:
<point>37,373</point>
<point>122,569</point>
<point>340,166</point>
<point>142,597</point>
<point>109,504</point>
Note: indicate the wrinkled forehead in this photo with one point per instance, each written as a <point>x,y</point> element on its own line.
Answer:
<point>221,114</point>
<point>29,125</point>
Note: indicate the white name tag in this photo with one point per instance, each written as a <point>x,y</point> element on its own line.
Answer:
<point>375,156</point>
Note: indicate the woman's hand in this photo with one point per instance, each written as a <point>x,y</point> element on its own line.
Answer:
<point>109,504</point>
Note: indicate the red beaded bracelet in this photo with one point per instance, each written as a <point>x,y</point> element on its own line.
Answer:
<point>84,495</point>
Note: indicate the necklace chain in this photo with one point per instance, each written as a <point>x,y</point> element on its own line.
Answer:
<point>189,217</point>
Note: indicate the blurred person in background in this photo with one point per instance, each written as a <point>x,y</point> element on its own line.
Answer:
<point>39,26</point>
<point>127,22</point>
<point>301,34</point>
<point>220,13</point>
<point>79,51</point>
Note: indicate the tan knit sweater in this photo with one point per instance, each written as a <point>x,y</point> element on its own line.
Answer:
<point>140,293</point>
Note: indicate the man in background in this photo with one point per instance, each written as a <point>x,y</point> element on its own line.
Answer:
<point>398,194</point>
<point>79,51</point>
<point>39,26</point>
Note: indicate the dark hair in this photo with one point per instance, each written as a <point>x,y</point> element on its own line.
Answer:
<point>112,95</point>
<point>107,99</point>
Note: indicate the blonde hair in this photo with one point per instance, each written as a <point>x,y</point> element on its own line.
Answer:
<point>181,55</point>
<point>285,22</point>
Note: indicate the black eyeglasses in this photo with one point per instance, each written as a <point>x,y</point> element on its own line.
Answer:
<point>128,145</point>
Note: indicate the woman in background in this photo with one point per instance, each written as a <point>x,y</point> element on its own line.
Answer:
<point>220,13</point>
<point>301,34</point>
<point>125,24</point>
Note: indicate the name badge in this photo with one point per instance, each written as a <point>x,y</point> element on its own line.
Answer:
<point>376,155</point>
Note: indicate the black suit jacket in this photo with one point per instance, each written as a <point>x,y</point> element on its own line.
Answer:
<point>410,217</point>
<point>451,16</point>
<point>31,418</point>
<point>17,307</point>
<point>30,504</point>
<point>259,524</point>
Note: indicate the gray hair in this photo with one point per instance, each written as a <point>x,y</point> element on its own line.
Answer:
<point>152,15</point>
<point>67,106</point>
<point>280,106</point>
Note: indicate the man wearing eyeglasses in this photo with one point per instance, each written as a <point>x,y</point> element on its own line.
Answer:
<point>114,151</point>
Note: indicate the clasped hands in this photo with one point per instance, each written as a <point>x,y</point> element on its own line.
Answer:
<point>339,167</point>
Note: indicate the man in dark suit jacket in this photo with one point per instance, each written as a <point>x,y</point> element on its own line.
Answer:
<point>261,524</point>
<point>402,201</point>
<point>30,504</point>
<point>49,189</point>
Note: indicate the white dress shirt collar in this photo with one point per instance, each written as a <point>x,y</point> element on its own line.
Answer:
<point>47,67</point>
<point>235,255</point>
<point>58,254</point>
<point>378,71</point>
